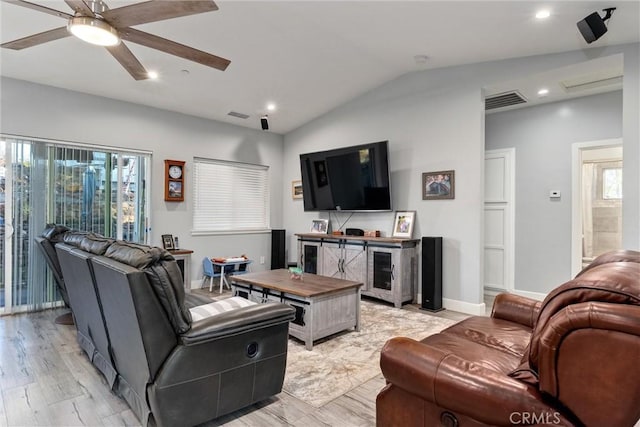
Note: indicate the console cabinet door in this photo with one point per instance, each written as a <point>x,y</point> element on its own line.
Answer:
<point>354,263</point>
<point>385,274</point>
<point>332,260</point>
<point>310,256</point>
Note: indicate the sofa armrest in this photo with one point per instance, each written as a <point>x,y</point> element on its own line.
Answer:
<point>459,385</point>
<point>237,321</point>
<point>516,308</point>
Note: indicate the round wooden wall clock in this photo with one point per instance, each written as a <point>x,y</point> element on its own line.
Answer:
<point>174,181</point>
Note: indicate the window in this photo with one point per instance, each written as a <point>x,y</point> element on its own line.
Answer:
<point>230,197</point>
<point>612,183</point>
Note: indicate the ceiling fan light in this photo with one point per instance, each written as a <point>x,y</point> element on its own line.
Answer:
<point>94,31</point>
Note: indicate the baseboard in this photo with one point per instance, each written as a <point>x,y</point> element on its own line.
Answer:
<point>533,295</point>
<point>464,307</point>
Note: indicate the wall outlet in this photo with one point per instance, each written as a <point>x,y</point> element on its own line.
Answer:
<point>262,259</point>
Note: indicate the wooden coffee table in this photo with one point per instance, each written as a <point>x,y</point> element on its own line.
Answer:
<point>324,305</point>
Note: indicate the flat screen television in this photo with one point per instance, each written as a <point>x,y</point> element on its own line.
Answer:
<point>347,179</point>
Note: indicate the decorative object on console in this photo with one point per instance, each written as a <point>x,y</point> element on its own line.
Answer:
<point>403,224</point>
<point>167,242</point>
<point>296,189</point>
<point>354,232</point>
<point>438,185</point>
<point>372,233</point>
<point>174,181</point>
<point>320,226</point>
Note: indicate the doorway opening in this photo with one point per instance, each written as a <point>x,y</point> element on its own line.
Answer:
<point>597,200</point>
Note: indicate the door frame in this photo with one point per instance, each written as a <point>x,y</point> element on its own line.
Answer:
<point>576,195</point>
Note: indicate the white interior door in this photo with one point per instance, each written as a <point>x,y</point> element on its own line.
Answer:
<point>499,193</point>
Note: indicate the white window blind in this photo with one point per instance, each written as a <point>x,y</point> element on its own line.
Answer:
<point>230,196</point>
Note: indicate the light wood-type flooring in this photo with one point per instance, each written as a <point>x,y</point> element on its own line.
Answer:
<point>46,380</point>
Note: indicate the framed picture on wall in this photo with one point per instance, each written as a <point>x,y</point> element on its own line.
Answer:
<point>438,185</point>
<point>167,241</point>
<point>403,224</point>
<point>296,189</point>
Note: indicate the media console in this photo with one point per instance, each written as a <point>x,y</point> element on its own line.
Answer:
<point>388,266</point>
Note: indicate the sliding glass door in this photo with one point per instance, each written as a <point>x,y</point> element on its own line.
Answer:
<point>97,190</point>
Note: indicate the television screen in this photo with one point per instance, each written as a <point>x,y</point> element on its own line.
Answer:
<point>347,179</point>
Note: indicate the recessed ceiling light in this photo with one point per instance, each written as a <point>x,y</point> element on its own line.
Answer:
<point>271,106</point>
<point>543,14</point>
<point>152,75</point>
<point>543,92</point>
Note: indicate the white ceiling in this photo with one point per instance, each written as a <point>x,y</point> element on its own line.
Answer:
<point>306,56</point>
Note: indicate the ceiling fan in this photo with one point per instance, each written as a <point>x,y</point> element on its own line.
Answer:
<point>95,23</point>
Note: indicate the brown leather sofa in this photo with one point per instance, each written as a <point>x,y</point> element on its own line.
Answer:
<point>571,360</point>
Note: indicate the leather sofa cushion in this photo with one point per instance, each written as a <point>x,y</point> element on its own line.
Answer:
<point>204,311</point>
<point>96,245</point>
<point>74,238</point>
<point>621,255</point>
<point>493,343</point>
<point>613,282</point>
<point>503,335</point>
<point>53,233</point>
<point>163,274</point>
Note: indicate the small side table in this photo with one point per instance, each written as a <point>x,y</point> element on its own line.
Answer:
<point>183,258</point>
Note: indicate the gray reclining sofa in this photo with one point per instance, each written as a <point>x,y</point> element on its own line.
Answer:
<point>136,325</point>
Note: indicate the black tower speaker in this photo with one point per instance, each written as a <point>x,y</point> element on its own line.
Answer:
<point>432,273</point>
<point>277,249</point>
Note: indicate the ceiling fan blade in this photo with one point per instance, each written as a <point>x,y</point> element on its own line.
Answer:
<point>37,39</point>
<point>80,7</point>
<point>130,63</point>
<point>39,8</point>
<point>156,10</point>
<point>173,48</point>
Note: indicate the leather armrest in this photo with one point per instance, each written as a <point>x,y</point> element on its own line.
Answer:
<point>516,308</point>
<point>237,321</point>
<point>459,385</point>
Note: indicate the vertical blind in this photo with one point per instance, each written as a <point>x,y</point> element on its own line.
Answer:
<point>230,196</point>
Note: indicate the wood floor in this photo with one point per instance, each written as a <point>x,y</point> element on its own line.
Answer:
<point>46,380</point>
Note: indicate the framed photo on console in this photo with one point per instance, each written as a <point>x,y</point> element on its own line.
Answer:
<point>320,226</point>
<point>403,224</point>
<point>167,242</point>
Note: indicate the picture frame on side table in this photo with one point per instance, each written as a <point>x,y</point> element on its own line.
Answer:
<point>296,189</point>
<point>167,242</point>
<point>403,224</point>
<point>320,226</point>
<point>438,185</point>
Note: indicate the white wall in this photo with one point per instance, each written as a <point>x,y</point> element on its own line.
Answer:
<point>434,120</point>
<point>34,110</point>
<point>542,136</point>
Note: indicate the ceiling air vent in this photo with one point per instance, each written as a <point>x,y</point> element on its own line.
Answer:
<point>238,115</point>
<point>501,100</point>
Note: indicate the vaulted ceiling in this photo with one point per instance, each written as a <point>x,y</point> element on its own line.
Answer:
<point>307,57</point>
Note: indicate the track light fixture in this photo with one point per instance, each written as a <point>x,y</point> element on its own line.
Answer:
<point>592,27</point>
<point>264,121</point>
